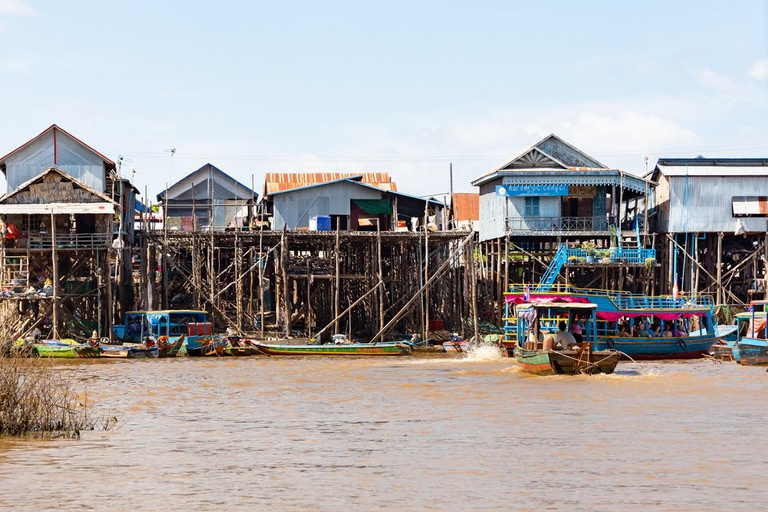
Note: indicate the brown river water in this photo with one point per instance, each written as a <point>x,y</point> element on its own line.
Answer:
<point>410,433</point>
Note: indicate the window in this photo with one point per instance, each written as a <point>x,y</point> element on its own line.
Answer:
<point>531,206</point>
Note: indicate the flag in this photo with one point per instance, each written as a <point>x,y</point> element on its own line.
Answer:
<point>527,293</point>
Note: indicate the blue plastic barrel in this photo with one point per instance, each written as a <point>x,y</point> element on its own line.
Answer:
<point>323,223</point>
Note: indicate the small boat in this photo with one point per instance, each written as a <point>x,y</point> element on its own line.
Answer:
<point>539,358</point>
<point>727,349</point>
<point>65,349</point>
<point>342,349</point>
<point>456,344</point>
<point>753,346</point>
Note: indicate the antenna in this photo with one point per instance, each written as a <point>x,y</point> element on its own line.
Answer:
<point>172,151</point>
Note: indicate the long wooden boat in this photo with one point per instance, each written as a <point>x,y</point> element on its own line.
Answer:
<point>349,349</point>
<point>536,354</point>
<point>566,362</point>
<point>65,351</point>
<point>674,315</point>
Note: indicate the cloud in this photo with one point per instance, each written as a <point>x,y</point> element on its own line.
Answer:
<point>15,8</point>
<point>20,65</point>
<point>759,69</point>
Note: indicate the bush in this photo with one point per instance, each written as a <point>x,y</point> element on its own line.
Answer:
<point>37,399</point>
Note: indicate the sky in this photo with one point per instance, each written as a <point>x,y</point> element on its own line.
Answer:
<point>404,87</point>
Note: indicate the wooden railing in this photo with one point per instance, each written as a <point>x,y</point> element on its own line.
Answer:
<point>71,241</point>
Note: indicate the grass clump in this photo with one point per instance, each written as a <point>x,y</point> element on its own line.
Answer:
<point>38,400</point>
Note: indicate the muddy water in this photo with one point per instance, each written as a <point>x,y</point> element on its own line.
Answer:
<point>419,433</point>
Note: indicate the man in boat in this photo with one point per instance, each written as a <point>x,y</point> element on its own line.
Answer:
<point>564,338</point>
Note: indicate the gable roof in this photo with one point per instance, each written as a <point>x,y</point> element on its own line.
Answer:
<point>220,177</point>
<point>279,182</point>
<point>550,153</point>
<point>41,177</point>
<point>56,129</point>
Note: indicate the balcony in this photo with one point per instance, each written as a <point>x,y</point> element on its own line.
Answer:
<point>558,225</point>
<point>68,241</point>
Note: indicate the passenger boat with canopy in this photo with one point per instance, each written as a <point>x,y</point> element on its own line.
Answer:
<point>639,326</point>
<point>537,325</point>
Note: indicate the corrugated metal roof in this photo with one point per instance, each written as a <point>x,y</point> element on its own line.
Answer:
<point>55,128</point>
<point>712,170</point>
<point>277,182</point>
<point>49,208</point>
<point>465,206</point>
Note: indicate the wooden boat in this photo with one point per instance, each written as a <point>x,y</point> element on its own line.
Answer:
<point>64,350</point>
<point>753,346</point>
<point>675,315</point>
<point>348,349</point>
<point>461,346</point>
<point>536,357</point>
<point>566,362</point>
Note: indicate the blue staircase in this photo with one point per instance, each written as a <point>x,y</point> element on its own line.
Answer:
<point>553,270</point>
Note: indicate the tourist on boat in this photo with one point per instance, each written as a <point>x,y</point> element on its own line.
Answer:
<point>667,332</point>
<point>564,338</point>
<point>549,342</point>
<point>642,332</point>
<point>624,331</point>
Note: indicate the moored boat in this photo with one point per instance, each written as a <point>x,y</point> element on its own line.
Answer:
<point>192,326</point>
<point>537,354</point>
<point>753,346</point>
<point>347,349</point>
<point>64,350</point>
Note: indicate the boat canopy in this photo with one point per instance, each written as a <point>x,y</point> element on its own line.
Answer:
<point>544,299</point>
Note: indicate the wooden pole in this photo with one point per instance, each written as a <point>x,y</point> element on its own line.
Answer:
<point>348,310</point>
<point>473,291</point>
<point>164,259</point>
<point>379,275</point>
<point>262,264</point>
<point>337,286</point>
<point>284,272</point>
<point>309,304</point>
<point>426,270</point>
<point>55,265</point>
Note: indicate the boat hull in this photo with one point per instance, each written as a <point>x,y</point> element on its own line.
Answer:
<point>753,352</point>
<point>356,349</point>
<point>456,346</point>
<point>66,352</point>
<point>692,347</point>
<point>552,362</point>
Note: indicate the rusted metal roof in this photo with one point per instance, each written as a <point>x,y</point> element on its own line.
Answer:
<point>465,206</point>
<point>277,182</point>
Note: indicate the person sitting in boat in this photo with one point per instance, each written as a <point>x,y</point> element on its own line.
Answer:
<point>642,332</point>
<point>549,342</point>
<point>681,331</point>
<point>576,330</point>
<point>564,338</point>
<point>624,331</point>
<point>655,329</point>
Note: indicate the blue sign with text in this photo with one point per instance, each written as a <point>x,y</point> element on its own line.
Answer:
<point>532,190</point>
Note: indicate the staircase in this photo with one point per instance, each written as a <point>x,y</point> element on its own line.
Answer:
<point>553,270</point>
